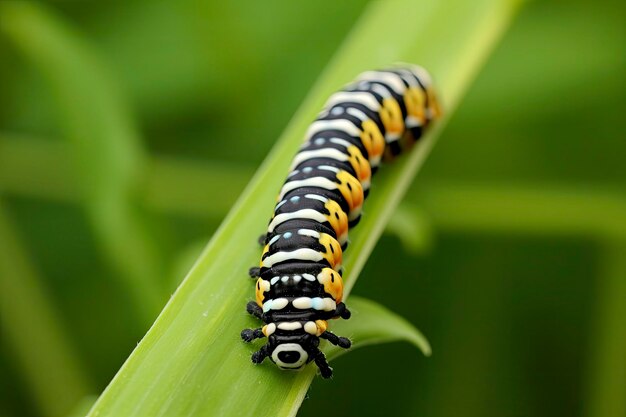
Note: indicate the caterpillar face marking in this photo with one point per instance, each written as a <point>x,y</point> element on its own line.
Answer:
<point>289,356</point>
<point>299,286</point>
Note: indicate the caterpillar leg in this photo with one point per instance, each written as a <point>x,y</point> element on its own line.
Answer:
<point>261,240</point>
<point>342,311</point>
<point>322,364</point>
<point>342,342</point>
<point>254,272</point>
<point>253,309</point>
<point>260,355</point>
<point>248,335</point>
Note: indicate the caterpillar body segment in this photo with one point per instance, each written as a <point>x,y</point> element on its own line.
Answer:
<point>387,89</point>
<point>367,135</point>
<point>348,191</point>
<point>309,211</point>
<point>338,153</point>
<point>299,287</point>
<point>303,245</point>
<point>321,282</point>
<point>389,116</point>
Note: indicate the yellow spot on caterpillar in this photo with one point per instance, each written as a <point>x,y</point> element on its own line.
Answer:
<point>415,101</point>
<point>262,287</point>
<point>332,282</point>
<point>333,254</point>
<point>433,104</point>
<point>322,325</point>
<point>372,139</point>
<point>360,165</point>
<point>337,218</point>
<point>391,116</point>
<point>351,189</point>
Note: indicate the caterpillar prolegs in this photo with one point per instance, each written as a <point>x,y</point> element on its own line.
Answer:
<point>299,286</point>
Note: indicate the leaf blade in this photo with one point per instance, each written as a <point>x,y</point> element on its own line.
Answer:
<point>371,323</point>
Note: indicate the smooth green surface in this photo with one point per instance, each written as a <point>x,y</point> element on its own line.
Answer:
<point>32,325</point>
<point>607,368</point>
<point>104,143</point>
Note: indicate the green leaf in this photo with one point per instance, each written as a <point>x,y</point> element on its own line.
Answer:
<point>192,362</point>
<point>372,324</point>
<point>413,227</point>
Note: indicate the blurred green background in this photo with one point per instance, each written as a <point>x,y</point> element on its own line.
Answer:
<point>509,252</point>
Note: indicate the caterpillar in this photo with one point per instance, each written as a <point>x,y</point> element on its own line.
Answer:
<point>298,281</point>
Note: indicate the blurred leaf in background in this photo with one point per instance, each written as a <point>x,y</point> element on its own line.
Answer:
<point>519,284</point>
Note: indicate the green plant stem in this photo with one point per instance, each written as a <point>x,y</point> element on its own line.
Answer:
<point>104,143</point>
<point>32,329</point>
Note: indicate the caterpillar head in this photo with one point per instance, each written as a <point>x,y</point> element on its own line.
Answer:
<point>289,356</point>
<point>292,351</point>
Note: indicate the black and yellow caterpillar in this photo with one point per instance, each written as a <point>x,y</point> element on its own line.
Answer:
<point>299,286</point>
